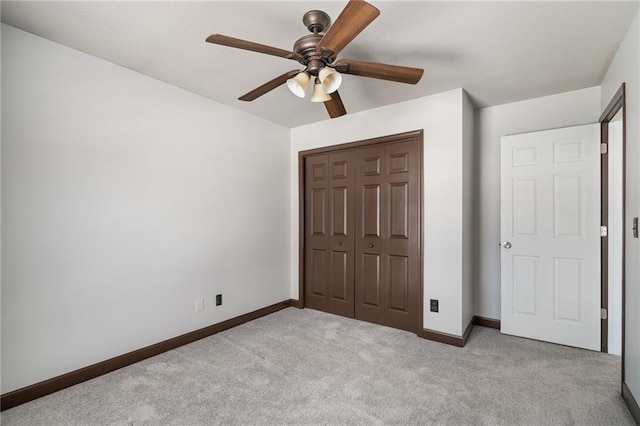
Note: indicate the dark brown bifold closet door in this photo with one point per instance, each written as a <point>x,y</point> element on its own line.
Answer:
<point>362,233</point>
<point>329,233</point>
<point>387,235</point>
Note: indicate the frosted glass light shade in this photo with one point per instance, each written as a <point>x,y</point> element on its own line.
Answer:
<point>298,84</point>
<point>330,79</point>
<point>318,94</point>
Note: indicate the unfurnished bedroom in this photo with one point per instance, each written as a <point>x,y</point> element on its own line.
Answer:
<point>329,212</point>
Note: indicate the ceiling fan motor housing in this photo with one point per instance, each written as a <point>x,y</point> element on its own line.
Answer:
<point>306,48</point>
<point>306,45</point>
<point>316,21</point>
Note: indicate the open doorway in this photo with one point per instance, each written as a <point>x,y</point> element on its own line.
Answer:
<point>614,309</point>
<point>613,139</point>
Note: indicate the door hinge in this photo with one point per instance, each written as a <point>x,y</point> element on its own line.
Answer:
<point>603,148</point>
<point>603,313</point>
<point>603,231</point>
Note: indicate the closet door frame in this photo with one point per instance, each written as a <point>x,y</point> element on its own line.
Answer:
<point>390,139</point>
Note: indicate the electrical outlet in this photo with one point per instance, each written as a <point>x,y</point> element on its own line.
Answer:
<point>434,305</point>
<point>218,299</point>
<point>199,305</point>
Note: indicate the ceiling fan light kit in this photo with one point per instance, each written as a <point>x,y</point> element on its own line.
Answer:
<point>298,84</point>
<point>318,52</point>
<point>319,95</point>
<point>330,79</point>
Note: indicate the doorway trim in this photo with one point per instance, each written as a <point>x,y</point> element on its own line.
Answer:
<point>617,103</point>
<point>398,137</point>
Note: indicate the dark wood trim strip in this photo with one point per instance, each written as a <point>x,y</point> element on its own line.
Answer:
<point>631,403</point>
<point>440,337</point>
<point>395,138</point>
<point>446,338</point>
<point>46,387</point>
<point>301,241</point>
<point>420,136</point>
<point>486,322</point>
<point>297,304</point>
<point>623,102</point>
<point>618,103</point>
<point>450,339</point>
<point>467,332</point>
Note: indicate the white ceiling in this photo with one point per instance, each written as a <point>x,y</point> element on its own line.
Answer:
<point>498,52</point>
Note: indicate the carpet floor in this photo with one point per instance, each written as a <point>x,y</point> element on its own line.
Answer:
<point>307,367</point>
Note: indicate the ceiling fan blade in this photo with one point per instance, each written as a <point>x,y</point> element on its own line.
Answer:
<point>268,86</point>
<point>335,107</point>
<point>355,17</point>
<point>381,71</point>
<point>249,45</point>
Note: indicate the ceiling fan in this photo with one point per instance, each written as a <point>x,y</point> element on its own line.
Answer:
<point>318,52</point>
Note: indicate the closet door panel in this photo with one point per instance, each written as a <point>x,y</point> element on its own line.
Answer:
<point>387,208</point>
<point>401,229</point>
<point>371,209</point>
<point>341,238</point>
<point>339,279</point>
<point>398,211</point>
<point>318,272</point>
<point>398,283</point>
<point>329,198</point>
<point>370,295</point>
<point>316,235</point>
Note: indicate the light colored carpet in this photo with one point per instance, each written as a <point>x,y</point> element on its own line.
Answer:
<point>308,367</point>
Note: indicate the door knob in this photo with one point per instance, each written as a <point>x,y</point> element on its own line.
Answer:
<point>506,245</point>
<point>370,245</point>
<point>339,243</point>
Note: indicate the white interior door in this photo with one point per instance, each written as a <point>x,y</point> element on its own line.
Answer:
<point>550,234</point>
